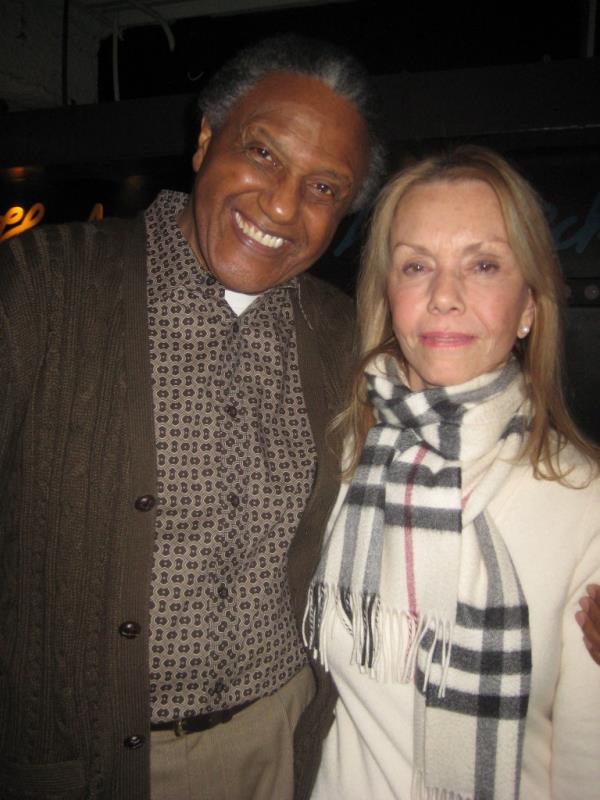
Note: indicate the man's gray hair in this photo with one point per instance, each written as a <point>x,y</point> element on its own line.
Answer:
<point>334,67</point>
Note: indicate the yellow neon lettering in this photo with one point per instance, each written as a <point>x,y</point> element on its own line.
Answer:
<point>15,221</point>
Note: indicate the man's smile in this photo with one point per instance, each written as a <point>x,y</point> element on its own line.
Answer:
<point>256,234</point>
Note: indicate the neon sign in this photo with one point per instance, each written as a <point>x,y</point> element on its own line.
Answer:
<point>97,212</point>
<point>16,221</point>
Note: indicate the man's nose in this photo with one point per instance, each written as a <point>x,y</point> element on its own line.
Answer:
<point>447,292</point>
<point>281,200</point>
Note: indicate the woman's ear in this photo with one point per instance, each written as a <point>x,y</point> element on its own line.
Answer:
<point>527,317</point>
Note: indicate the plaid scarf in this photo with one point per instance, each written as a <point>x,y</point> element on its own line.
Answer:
<point>424,583</point>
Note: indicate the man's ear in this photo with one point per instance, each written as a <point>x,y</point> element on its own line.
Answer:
<point>204,138</point>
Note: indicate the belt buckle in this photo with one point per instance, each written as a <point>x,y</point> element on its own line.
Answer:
<point>179,727</point>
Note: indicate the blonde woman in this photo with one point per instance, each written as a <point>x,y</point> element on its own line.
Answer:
<point>468,522</point>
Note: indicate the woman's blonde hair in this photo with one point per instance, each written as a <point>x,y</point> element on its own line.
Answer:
<point>540,354</point>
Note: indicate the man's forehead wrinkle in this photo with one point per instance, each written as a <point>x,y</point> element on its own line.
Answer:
<point>284,140</point>
<point>312,128</point>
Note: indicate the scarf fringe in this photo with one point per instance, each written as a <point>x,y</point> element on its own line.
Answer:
<point>419,791</point>
<point>387,643</point>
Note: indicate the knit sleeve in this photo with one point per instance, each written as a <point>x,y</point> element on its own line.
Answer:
<point>575,768</point>
<point>23,327</point>
<point>11,300</point>
<point>7,383</point>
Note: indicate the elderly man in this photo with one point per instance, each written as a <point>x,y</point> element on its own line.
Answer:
<point>166,388</point>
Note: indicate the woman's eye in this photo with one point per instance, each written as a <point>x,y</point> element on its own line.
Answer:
<point>486,267</point>
<point>413,268</point>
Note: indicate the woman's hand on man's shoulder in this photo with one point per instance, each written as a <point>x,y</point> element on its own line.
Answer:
<point>589,620</point>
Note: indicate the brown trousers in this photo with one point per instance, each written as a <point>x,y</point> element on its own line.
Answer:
<point>248,758</point>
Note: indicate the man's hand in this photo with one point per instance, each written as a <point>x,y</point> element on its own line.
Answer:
<point>589,620</point>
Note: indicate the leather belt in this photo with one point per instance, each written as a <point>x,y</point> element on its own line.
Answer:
<point>201,722</point>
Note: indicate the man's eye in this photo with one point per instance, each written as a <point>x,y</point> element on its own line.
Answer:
<point>262,154</point>
<point>324,189</point>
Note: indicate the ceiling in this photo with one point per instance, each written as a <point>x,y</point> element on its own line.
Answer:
<point>124,38</point>
<point>143,12</point>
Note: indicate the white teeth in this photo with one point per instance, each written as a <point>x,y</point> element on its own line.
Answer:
<point>256,234</point>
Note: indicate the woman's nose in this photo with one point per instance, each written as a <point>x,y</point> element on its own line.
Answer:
<point>446,293</point>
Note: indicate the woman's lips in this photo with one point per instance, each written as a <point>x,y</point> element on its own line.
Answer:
<point>446,339</point>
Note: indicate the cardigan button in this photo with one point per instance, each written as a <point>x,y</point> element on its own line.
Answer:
<point>129,629</point>
<point>145,502</point>
<point>133,742</point>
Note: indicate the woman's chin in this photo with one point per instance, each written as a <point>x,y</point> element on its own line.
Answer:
<point>450,372</point>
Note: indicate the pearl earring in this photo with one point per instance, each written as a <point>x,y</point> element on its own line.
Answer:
<point>524,331</point>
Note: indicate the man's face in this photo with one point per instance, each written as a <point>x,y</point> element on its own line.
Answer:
<point>273,183</point>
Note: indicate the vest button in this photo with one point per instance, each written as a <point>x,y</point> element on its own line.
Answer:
<point>223,592</point>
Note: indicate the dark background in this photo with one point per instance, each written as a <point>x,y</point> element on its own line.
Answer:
<point>388,38</point>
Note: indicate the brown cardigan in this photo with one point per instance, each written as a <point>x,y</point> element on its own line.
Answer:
<point>77,475</point>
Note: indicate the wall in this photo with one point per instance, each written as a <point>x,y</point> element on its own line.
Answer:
<point>31,54</point>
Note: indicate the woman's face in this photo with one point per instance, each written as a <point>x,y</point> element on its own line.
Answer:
<point>457,295</point>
